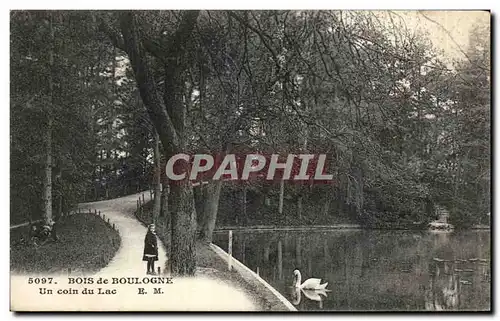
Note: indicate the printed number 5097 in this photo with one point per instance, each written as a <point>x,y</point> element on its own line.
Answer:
<point>40,280</point>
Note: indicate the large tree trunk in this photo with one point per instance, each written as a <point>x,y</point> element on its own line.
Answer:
<point>183,228</point>
<point>210,208</point>
<point>157,180</point>
<point>48,134</point>
<point>164,198</point>
<point>199,204</point>
<point>168,117</point>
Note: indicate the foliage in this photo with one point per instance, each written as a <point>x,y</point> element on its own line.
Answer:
<point>403,129</point>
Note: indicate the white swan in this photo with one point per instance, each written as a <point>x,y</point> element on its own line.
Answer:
<point>309,284</point>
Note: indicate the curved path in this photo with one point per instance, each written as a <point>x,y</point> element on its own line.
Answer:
<point>128,258</point>
<point>200,293</point>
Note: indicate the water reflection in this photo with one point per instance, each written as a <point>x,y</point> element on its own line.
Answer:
<point>319,296</point>
<point>373,270</point>
<point>442,292</point>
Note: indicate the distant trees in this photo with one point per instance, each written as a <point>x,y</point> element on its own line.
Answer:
<point>466,168</point>
<point>77,88</point>
<point>49,104</point>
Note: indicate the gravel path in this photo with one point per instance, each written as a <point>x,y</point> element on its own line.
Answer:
<point>128,259</point>
<point>213,288</point>
<point>202,293</point>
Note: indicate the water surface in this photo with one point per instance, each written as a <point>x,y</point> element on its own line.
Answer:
<point>372,269</point>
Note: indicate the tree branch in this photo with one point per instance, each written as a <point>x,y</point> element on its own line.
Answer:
<point>168,51</point>
<point>262,37</point>
<point>114,36</point>
<point>146,84</point>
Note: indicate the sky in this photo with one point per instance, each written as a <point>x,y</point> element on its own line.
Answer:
<point>457,23</point>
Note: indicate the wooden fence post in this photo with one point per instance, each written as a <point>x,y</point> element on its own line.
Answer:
<point>230,251</point>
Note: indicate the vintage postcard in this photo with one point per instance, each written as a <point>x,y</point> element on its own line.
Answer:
<point>260,160</point>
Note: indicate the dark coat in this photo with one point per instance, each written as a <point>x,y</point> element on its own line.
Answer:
<point>150,246</point>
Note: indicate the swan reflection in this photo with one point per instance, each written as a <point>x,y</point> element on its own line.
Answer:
<point>313,295</point>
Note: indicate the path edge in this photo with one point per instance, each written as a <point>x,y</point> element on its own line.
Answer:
<point>242,269</point>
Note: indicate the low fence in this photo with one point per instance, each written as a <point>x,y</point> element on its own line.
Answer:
<point>246,273</point>
<point>139,212</point>
<point>72,212</point>
<point>102,216</point>
<point>25,224</point>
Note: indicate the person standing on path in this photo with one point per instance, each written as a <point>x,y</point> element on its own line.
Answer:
<point>150,249</point>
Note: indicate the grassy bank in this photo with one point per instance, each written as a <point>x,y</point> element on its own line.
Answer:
<point>86,244</point>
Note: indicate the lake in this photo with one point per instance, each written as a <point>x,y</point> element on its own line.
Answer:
<point>370,270</point>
